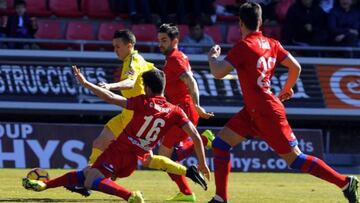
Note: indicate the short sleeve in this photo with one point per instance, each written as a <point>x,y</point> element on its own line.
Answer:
<point>281,52</point>
<point>234,56</point>
<point>136,103</point>
<point>134,68</point>
<point>178,66</point>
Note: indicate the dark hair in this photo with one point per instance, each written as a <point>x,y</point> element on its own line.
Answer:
<point>194,23</point>
<point>125,35</point>
<point>19,2</point>
<point>170,29</point>
<point>250,14</point>
<point>154,79</point>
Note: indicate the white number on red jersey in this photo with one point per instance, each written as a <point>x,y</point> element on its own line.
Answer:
<point>154,130</point>
<point>264,65</point>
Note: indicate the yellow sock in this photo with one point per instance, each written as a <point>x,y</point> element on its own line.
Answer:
<point>165,164</point>
<point>95,153</point>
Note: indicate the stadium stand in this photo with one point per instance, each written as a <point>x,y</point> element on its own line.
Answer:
<point>37,8</point>
<point>96,9</point>
<point>233,34</point>
<point>65,8</point>
<point>80,30</point>
<point>107,29</point>
<point>184,30</point>
<point>215,32</point>
<point>10,7</point>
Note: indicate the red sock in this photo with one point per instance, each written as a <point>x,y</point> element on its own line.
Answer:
<point>182,183</point>
<point>110,187</point>
<point>320,169</point>
<point>73,178</point>
<point>222,170</point>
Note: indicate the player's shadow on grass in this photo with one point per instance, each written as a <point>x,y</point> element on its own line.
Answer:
<point>56,200</point>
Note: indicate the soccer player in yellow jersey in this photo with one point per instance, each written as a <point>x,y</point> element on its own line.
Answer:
<point>130,85</point>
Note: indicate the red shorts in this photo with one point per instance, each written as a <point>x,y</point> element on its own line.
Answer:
<point>175,134</point>
<point>115,161</point>
<point>272,127</point>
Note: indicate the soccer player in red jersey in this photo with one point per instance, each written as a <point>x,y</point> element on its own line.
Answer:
<point>255,58</point>
<point>153,117</point>
<point>181,89</point>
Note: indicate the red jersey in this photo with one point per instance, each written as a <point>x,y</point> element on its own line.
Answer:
<point>153,117</point>
<point>254,59</point>
<point>176,64</point>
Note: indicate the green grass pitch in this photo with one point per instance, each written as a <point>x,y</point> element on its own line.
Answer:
<point>157,186</point>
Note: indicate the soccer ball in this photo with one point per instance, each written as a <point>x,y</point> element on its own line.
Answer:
<point>38,174</point>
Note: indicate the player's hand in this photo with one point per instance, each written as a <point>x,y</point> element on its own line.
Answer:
<point>203,168</point>
<point>214,52</point>
<point>104,85</point>
<point>202,112</point>
<point>79,76</point>
<point>285,94</point>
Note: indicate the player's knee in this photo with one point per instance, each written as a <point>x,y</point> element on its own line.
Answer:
<point>299,161</point>
<point>220,144</point>
<point>92,177</point>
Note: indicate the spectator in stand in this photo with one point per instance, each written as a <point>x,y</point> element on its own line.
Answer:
<point>196,37</point>
<point>344,24</point>
<point>21,25</point>
<point>305,24</point>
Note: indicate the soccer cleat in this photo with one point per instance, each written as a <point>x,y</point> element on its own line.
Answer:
<point>209,135</point>
<point>195,176</point>
<point>35,185</point>
<point>351,192</point>
<point>78,189</point>
<point>213,200</point>
<point>183,197</point>
<point>136,197</point>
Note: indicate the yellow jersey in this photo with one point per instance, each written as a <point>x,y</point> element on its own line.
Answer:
<point>133,67</point>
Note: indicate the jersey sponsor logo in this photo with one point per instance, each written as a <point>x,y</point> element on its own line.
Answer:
<point>142,143</point>
<point>108,167</point>
<point>340,85</point>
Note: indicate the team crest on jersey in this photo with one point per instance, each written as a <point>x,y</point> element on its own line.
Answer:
<point>130,72</point>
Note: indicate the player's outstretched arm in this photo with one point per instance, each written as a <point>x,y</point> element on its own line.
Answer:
<point>122,85</point>
<point>193,88</point>
<point>104,94</point>
<point>190,129</point>
<point>218,68</point>
<point>294,72</point>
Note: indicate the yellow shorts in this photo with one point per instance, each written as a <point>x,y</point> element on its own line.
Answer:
<point>118,123</point>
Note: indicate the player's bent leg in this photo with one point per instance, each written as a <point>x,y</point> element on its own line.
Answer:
<point>317,167</point>
<point>165,164</point>
<point>101,143</point>
<point>180,180</point>
<point>95,180</point>
<point>221,146</point>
